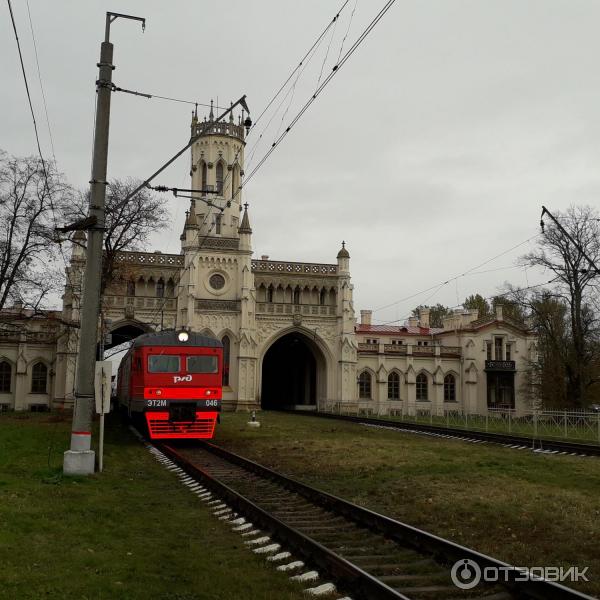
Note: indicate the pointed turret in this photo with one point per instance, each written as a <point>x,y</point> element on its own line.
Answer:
<point>245,226</point>
<point>245,232</point>
<point>191,219</point>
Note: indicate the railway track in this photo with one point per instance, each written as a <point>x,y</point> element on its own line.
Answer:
<point>510,441</point>
<point>367,555</point>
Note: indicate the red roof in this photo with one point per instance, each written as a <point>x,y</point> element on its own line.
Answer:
<point>397,330</point>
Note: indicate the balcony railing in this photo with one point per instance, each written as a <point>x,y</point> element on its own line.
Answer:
<point>119,301</point>
<point>423,350</point>
<point>362,347</point>
<point>500,365</point>
<point>280,308</point>
<point>277,266</point>
<point>450,351</point>
<point>394,349</point>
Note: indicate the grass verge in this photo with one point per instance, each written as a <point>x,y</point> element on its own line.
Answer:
<point>131,532</point>
<point>524,508</point>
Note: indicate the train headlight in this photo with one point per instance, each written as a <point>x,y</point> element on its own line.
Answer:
<point>158,392</point>
<point>183,336</point>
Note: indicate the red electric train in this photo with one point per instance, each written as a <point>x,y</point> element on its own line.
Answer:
<point>172,381</point>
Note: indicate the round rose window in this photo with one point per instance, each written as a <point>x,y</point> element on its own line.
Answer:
<point>217,281</point>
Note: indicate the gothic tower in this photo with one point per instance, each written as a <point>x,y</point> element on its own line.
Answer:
<point>216,290</point>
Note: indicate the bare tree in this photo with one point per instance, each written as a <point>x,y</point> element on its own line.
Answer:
<point>33,197</point>
<point>128,225</point>
<point>575,346</point>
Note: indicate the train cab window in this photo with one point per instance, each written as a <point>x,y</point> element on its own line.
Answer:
<point>162,363</point>
<point>202,364</point>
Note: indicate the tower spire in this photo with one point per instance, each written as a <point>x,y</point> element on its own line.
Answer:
<point>211,115</point>
<point>245,226</point>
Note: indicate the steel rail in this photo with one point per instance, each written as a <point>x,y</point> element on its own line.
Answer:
<point>343,571</point>
<point>486,436</point>
<point>337,567</point>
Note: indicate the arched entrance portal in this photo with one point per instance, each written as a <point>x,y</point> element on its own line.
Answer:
<point>123,332</point>
<point>293,373</point>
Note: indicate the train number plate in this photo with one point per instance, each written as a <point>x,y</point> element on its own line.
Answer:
<point>156,403</point>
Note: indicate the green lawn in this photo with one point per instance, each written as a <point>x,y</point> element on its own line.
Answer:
<point>527,509</point>
<point>131,532</point>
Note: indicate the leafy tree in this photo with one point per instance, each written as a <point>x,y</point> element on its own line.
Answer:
<point>510,308</point>
<point>477,301</point>
<point>436,314</point>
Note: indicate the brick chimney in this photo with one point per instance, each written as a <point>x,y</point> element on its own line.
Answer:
<point>424,317</point>
<point>365,317</point>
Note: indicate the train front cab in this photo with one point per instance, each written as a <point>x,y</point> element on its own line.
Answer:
<point>181,391</point>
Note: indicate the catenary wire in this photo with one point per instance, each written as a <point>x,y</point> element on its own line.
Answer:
<point>317,41</point>
<point>37,137</point>
<point>336,68</point>
<point>467,272</point>
<point>491,297</point>
<point>37,61</point>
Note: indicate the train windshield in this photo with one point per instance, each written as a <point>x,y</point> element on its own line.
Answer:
<point>163,363</point>
<point>202,364</point>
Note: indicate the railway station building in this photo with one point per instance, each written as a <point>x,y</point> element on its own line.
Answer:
<point>288,327</point>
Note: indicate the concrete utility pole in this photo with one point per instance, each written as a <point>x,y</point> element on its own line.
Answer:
<point>79,460</point>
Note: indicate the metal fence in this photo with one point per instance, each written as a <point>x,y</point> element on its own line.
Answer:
<point>560,424</point>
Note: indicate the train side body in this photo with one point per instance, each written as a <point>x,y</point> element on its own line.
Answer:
<point>176,386</point>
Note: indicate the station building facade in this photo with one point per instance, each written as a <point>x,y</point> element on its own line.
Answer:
<point>288,328</point>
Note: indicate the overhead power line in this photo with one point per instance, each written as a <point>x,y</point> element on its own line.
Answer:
<point>336,68</point>
<point>37,137</point>
<point>467,272</point>
<point>492,297</point>
<point>316,43</point>
<point>37,61</point>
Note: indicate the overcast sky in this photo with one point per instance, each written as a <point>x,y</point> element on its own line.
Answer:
<point>431,151</point>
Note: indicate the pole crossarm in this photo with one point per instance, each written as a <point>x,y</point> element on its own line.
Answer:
<point>194,138</point>
<point>545,211</point>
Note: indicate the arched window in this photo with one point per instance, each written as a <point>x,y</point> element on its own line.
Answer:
<point>449,388</point>
<point>393,386</point>
<point>218,223</point>
<point>322,297</point>
<point>270,293</point>
<point>422,388</point>
<point>131,288</point>
<point>204,177</point>
<point>39,378</point>
<point>219,177</point>
<point>297,296</point>
<point>160,288</point>
<point>364,385</point>
<point>5,376</point>
<point>226,356</point>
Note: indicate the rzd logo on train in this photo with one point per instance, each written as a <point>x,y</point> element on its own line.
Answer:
<point>178,378</point>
